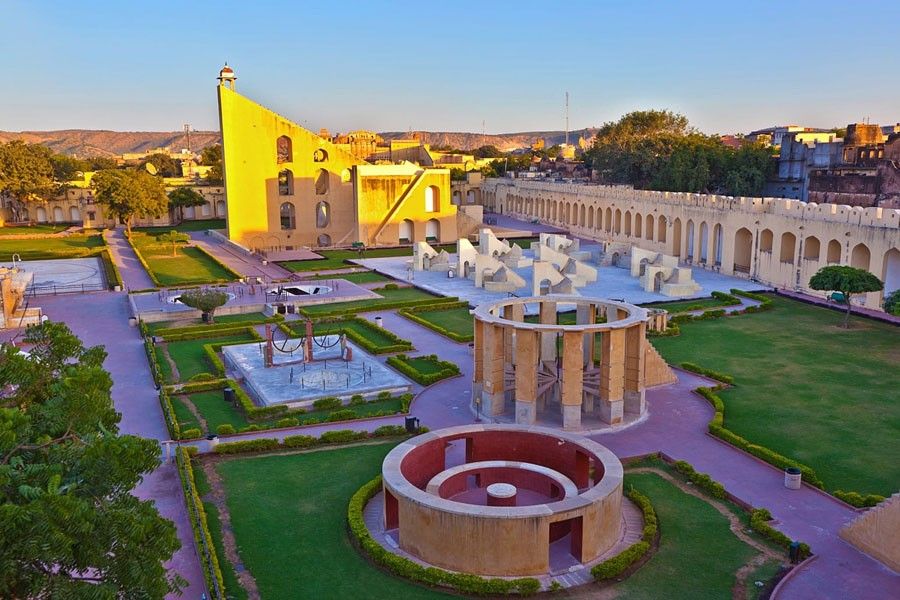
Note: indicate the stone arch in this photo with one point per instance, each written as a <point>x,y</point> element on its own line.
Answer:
<point>890,271</point>
<point>676,237</point>
<point>718,244</point>
<point>456,197</point>
<point>321,182</point>
<point>581,220</point>
<point>324,239</point>
<point>285,182</point>
<point>189,212</point>
<point>220,208</point>
<point>574,214</point>
<point>617,222</point>
<point>406,231</point>
<point>788,247</point>
<point>432,199</point>
<point>657,281</point>
<point>704,241</point>
<point>74,214</point>
<point>743,250</point>
<point>323,215</point>
<point>638,226</point>
<point>288,216</point>
<point>661,229</point>
<point>590,222</point>
<point>553,211</point>
<point>320,155</point>
<point>432,230</point>
<point>41,214</point>
<point>627,223</point>
<point>834,253</point>
<point>284,149</point>
<point>861,257</point>
<point>470,197</point>
<point>649,228</point>
<point>690,239</point>
<point>811,248</point>
<point>345,176</point>
<point>58,216</point>
<point>607,223</point>
<point>765,240</point>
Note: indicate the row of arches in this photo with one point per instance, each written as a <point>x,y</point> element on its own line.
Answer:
<point>471,197</point>
<point>288,215</point>
<point>284,151</point>
<point>74,215</point>
<point>286,182</point>
<point>407,231</point>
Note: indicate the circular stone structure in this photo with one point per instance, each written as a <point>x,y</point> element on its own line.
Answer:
<point>498,500</point>
<point>526,369</point>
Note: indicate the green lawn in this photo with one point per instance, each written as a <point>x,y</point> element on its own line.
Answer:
<point>32,230</point>
<point>70,246</point>
<point>216,411</point>
<point>335,259</point>
<point>688,305</point>
<point>289,515</point>
<point>237,319</point>
<point>806,388</point>
<point>190,358</point>
<point>456,320</point>
<point>233,589</point>
<point>698,554</point>
<point>184,416</point>
<point>360,277</point>
<point>404,294</point>
<point>201,225</point>
<point>190,266</point>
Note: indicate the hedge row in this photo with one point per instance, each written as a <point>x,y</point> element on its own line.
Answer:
<point>164,400</point>
<point>349,311</point>
<point>403,567</point>
<point>199,335</point>
<point>446,369</point>
<point>337,436</point>
<point>110,268</point>
<point>410,313</point>
<point>212,572</point>
<point>689,366</point>
<point>701,480</point>
<point>858,500</point>
<point>618,564</point>
<point>234,274</point>
<point>717,427</point>
<point>759,521</point>
<point>216,327</point>
<point>674,329</point>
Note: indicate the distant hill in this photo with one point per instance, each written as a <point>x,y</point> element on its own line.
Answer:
<point>87,142</point>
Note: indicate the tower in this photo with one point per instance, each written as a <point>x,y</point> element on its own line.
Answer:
<point>227,76</point>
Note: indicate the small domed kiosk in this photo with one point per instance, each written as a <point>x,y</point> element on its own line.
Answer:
<point>500,499</point>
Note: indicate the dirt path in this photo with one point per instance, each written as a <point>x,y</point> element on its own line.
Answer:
<point>766,553</point>
<point>186,400</point>
<point>216,495</point>
<point>176,376</point>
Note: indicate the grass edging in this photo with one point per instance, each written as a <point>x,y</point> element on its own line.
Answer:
<point>410,314</point>
<point>446,369</point>
<point>291,442</point>
<point>351,311</point>
<point>403,567</point>
<point>234,274</point>
<point>673,329</point>
<point>398,344</point>
<point>621,562</point>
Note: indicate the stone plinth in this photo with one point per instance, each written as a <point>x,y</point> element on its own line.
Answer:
<point>501,494</point>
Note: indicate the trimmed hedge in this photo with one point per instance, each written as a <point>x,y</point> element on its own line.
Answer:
<point>110,268</point>
<point>350,311</point>
<point>765,301</point>
<point>212,572</point>
<point>759,518</point>
<point>410,313</point>
<point>689,366</point>
<point>858,500</point>
<point>446,369</point>
<point>337,436</point>
<point>403,567</point>
<point>234,274</point>
<point>178,335</point>
<point>397,344</point>
<point>621,562</point>
<point>701,480</point>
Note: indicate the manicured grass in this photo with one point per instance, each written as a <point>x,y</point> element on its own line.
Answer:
<point>289,515</point>
<point>188,267</point>
<point>201,225</point>
<point>404,294</point>
<point>369,331</point>
<point>216,411</point>
<point>698,554</point>
<point>32,230</point>
<point>335,259</point>
<point>186,419</point>
<point>246,318</point>
<point>360,277</point>
<point>164,368</point>
<point>688,305</point>
<point>456,320</point>
<point>233,589</point>
<point>807,388</point>
<point>70,246</point>
<point>190,358</point>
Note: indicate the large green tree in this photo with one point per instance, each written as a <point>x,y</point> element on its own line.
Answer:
<point>163,165</point>
<point>69,525</point>
<point>128,194</point>
<point>204,300</point>
<point>182,197</point>
<point>26,174</point>
<point>212,157</point>
<point>846,280</point>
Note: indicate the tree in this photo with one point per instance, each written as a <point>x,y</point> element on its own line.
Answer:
<point>489,151</point>
<point>205,300</point>
<point>174,238</point>
<point>892,303</point>
<point>212,157</point>
<point>128,194</point>
<point>26,174</point>
<point>165,165</point>
<point>69,525</point>
<point>847,281</point>
<point>181,197</point>
<point>67,168</point>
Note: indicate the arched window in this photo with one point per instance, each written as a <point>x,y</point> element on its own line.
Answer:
<point>627,223</point>
<point>650,226</point>
<point>432,199</point>
<point>288,218</point>
<point>285,183</point>
<point>345,176</point>
<point>470,197</point>
<point>321,182</point>
<point>788,245</point>
<point>432,230</point>
<point>220,208</point>
<point>765,240</point>
<point>661,229</point>
<point>74,214</point>
<point>320,155</point>
<point>406,231</point>
<point>834,252</point>
<point>860,257</point>
<point>284,149</point>
<point>323,215</point>
<point>324,240</point>
<point>811,248</point>
<point>743,249</point>
<point>457,197</point>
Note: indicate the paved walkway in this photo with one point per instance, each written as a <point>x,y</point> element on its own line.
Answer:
<point>134,277</point>
<point>101,318</point>
<point>246,265</point>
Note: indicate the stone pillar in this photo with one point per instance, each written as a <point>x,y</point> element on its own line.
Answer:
<point>548,340</point>
<point>572,379</point>
<point>508,334</point>
<point>635,340</point>
<point>492,396</point>
<point>478,370</point>
<point>612,376</point>
<point>527,350</point>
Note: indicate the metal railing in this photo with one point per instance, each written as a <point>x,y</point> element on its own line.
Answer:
<point>52,289</point>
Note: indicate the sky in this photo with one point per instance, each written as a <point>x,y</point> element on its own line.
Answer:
<point>449,66</point>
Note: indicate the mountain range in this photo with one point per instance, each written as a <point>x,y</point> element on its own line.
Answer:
<point>88,142</point>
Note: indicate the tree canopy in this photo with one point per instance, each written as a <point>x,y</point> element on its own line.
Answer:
<point>658,149</point>
<point>174,237</point>
<point>69,525</point>
<point>164,165</point>
<point>205,300</point>
<point>846,280</point>
<point>212,157</point>
<point>26,172</point>
<point>488,151</point>
<point>182,197</point>
<point>128,194</point>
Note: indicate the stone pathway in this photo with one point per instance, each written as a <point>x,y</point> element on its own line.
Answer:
<point>134,277</point>
<point>240,262</point>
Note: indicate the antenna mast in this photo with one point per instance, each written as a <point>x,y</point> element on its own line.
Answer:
<point>567,118</point>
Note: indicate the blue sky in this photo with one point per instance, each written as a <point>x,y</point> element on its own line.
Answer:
<point>729,66</point>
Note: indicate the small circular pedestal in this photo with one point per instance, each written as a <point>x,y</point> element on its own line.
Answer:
<point>501,494</point>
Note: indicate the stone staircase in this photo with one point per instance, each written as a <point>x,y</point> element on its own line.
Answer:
<point>656,369</point>
<point>877,532</point>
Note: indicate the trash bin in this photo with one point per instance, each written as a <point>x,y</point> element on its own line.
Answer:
<point>792,478</point>
<point>451,274</point>
<point>412,424</point>
<point>379,321</point>
<point>794,552</point>
<point>228,395</point>
<point>213,440</point>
